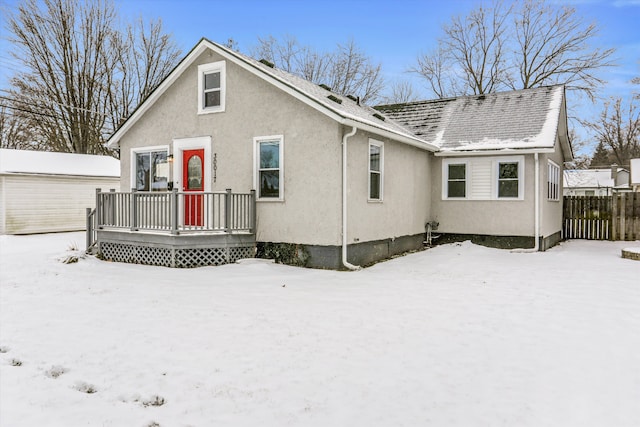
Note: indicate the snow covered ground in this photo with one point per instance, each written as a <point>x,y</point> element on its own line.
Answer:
<point>459,335</point>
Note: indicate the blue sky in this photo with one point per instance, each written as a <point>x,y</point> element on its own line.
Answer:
<point>390,32</point>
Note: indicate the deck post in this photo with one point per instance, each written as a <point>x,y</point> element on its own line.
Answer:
<point>253,212</point>
<point>174,211</point>
<point>614,216</point>
<point>227,211</point>
<point>623,217</point>
<point>98,209</point>
<point>89,228</point>
<point>133,211</point>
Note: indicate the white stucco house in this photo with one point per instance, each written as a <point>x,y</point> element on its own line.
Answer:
<point>43,192</point>
<point>229,154</point>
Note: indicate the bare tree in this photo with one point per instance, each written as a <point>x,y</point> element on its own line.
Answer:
<point>476,46</point>
<point>15,127</point>
<point>353,73</point>
<point>347,70</point>
<point>82,73</point>
<point>145,55</point>
<point>435,69</point>
<point>519,46</point>
<point>617,128</point>
<point>553,47</point>
<point>401,92</point>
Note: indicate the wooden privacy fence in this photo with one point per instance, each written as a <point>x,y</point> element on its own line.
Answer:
<point>615,217</point>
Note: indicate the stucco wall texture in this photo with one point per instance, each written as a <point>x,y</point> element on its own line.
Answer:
<point>311,211</point>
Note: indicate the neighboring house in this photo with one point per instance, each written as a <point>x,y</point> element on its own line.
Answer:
<point>318,175</point>
<point>595,182</point>
<point>42,192</point>
<point>634,174</point>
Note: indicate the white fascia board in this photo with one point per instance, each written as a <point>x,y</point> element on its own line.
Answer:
<point>506,151</point>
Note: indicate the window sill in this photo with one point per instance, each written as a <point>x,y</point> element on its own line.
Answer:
<point>270,200</point>
<point>211,110</point>
<point>375,201</point>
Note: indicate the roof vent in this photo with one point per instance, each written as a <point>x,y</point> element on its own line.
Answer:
<point>335,99</point>
<point>267,63</point>
<point>378,116</point>
<point>324,86</point>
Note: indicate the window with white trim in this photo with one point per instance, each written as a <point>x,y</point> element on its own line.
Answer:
<point>211,87</point>
<point>509,179</point>
<point>553,181</point>
<point>150,169</point>
<point>376,168</point>
<point>269,165</point>
<point>457,180</point>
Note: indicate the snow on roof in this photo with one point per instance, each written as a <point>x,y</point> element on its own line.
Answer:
<point>49,163</point>
<point>522,119</point>
<point>588,178</point>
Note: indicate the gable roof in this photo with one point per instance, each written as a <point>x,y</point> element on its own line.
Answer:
<point>347,112</point>
<point>527,119</point>
<point>49,163</point>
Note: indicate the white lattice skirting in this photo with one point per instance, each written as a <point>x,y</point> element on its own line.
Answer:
<point>170,257</point>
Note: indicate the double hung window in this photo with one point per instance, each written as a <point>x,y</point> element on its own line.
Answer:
<point>457,180</point>
<point>269,167</point>
<point>376,167</point>
<point>211,87</point>
<point>553,181</point>
<point>508,180</point>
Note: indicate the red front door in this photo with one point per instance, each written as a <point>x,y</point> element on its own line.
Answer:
<point>193,180</point>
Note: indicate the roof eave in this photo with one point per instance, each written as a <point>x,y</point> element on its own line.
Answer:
<point>491,152</point>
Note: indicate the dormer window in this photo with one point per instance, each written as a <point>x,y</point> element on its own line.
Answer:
<point>211,87</point>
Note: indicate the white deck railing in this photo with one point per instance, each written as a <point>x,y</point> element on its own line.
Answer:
<point>176,212</point>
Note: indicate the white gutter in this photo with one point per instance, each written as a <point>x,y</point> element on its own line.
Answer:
<point>536,245</point>
<point>346,263</point>
<point>415,142</point>
<point>488,152</point>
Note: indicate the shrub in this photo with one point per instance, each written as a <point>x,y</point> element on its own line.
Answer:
<point>284,253</point>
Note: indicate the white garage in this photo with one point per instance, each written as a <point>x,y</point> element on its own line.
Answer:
<point>44,192</point>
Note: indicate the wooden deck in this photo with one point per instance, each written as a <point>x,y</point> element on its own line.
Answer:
<point>172,229</point>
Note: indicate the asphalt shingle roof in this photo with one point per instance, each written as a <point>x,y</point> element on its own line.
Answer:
<point>348,108</point>
<point>505,120</point>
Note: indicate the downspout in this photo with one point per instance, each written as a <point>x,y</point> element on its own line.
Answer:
<point>536,246</point>
<point>346,263</point>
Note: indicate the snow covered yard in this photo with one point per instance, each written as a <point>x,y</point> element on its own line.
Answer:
<point>458,335</point>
